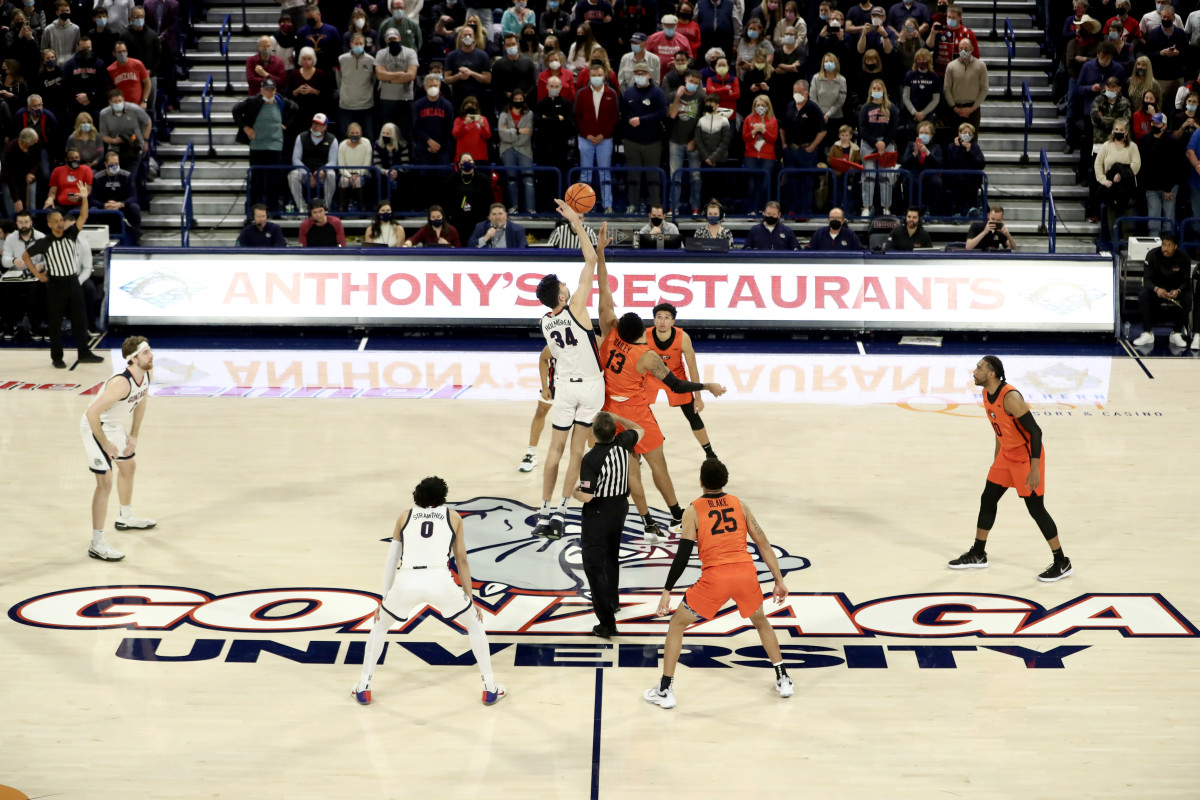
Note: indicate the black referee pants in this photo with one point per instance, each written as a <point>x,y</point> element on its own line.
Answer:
<point>602,523</point>
<point>66,295</point>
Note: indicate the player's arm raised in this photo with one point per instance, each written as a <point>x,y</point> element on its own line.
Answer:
<point>583,293</point>
<point>689,357</point>
<point>652,362</point>
<point>460,560</point>
<point>116,391</point>
<point>544,372</point>
<point>1018,409</point>
<point>687,542</point>
<point>608,308</point>
<point>768,555</point>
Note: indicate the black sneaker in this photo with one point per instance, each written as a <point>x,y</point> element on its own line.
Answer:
<point>604,631</point>
<point>654,534</point>
<point>90,358</point>
<point>969,560</point>
<point>542,528</point>
<point>557,526</point>
<point>59,363</point>
<point>1056,571</point>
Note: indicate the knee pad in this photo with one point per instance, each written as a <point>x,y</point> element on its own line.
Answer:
<point>689,411</point>
<point>988,504</point>
<point>1037,509</point>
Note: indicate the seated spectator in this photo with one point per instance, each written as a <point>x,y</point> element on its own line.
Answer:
<point>25,299</point>
<point>516,150</point>
<point>964,153</point>
<point>261,232</point>
<point>113,190</point>
<point>1166,289</point>
<point>555,69</point>
<point>992,234</point>
<point>966,85</point>
<point>44,123</point>
<point>353,152</point>
<point>311,154</point>
<point>714,214</point>
<point>658,224</point>
<point>911,235</point>
<point>437,232</point>
<point>563,236</point>
<point>64,194</point>
<point>498,231</point>
<point>1162,158</point>
<point>836,237</point>
<point>384,230</point>
<point>321,229</point>
<point>1117,165</point>
<point>771,233</point>
<point>85,139</point>
<point>433,126</point>
<point>19,172</point>
<point>923,160</point>
<point>471,131</point>
<point>63,35</point>
<point>845,159</point>
<point>125,128</point>
<point>263,64</point>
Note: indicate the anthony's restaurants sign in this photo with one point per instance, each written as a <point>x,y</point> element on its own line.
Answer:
<point>975,293</point>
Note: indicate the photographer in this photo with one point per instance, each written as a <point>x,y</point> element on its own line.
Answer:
<point>991,235</point>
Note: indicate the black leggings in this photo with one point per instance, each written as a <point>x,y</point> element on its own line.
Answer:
<point>689,411</point>
<point>1036,504</point>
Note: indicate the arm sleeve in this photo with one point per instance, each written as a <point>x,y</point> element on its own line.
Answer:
<point>680,563</point>
<point>1030,426</point>
<point>673,383</point>
<point>393,560</point>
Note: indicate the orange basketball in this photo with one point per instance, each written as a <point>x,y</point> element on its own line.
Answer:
<point>581,197</point>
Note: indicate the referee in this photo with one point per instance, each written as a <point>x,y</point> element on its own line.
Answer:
<point>61,276</point>
<point>604,492</point>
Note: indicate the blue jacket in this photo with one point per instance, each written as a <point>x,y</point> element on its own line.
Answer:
<point>759,238</point>
<point>712,18</point>
<point>1092,73</point>
<point>514,235</point>
<point>271,236</point>
<point>650,106</point>
<point>847,241</point>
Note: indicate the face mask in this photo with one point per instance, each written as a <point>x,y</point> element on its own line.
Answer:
<point>770,222</point>
<point>1118,136</point>
<point>686,16</point>
<point>829,66</point>
<point>51,64</point>
<point>122,58</point>
<point>835,224</point>
<point>85,54</point>
<point>357,49</point>
<point>467,167</point>
<point>790,16</point>
<point>356,137</point>
<point>798,97</point>
<point>656,221</point>
<point>1110,94</point>
<point>636,48</point>
<point>317,135</point>
<point>118,108</point>
<point>910,30</point>
<point>262,54</point>
<point>669,32</point>
<point>924,137</point>
<point>824,17</point>
<point>965,138</point>
<point>641,80</point>
<point>139,23</point>
<point>512,51</point>
<point>760,110</point>
<point>385,216</point>
<point>876,20</point>
<point>63,17</point>
<point>871,65</point>
<point>433,92</point>
<point>101,22</point>
<point>1191,107</point>
<point>760,65</point>
<point>395,47</point>
<point>789,40</point>
<point>73,164</point>
<point>435,223</point>
<point>713,219</point>
<point>713,109</point>
<point>553,92</point>
<point>470,110</point>
<point>468,41</point>
<point>951,24</point>
<point>722,71</point>
<point>397,13</point>
<point>552,5</point>
<point>35,112</point>
<point>1113,35</point>
<point>359,23</point>
<point>752,35</point>
<point>691,87</point>
<point>113,168</point>
<point>1159,7</point>
<point>85,127</point>
<point>596,81</point>
<point>518,104</point>
<point>876,95</point>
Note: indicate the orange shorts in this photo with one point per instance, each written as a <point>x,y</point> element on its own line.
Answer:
<point>722,583</point>
<point>674,398</point>
<point>652,437</point>
<point>1011,470</point>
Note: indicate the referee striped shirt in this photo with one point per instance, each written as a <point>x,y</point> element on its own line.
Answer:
<point>58,253</point>
<point>604,470</point>
<point>563,237</point>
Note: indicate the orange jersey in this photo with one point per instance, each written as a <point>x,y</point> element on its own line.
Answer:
<point>619,359</point>
<point>721,530</point>
<point>670,350</point>
<point>1007,430</point>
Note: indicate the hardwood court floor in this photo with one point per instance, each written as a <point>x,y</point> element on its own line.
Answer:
<point>256,494</point>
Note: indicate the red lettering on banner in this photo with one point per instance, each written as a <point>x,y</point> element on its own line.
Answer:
<point>528,283</point>
<point>996,296</point>
<point>414,287</point>
<point>683,294</point>
<point>878,297</point>
<point>453,293</point>
<point>637,291</point>
<point>952,285</point>
<point>321,279</point>
<point>275,282</point>
<point>349,288</point>
<point>746,291</point>
<point>710,287</point>
<point>905,286</point>
<point>240,288</point>
<point>485,289</point>
<point>57,387</point>
<point>777,292</point>
<point>837,295</point>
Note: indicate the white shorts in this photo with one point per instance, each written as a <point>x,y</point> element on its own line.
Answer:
<point>432,586</point>
<point>98,460</point>
<point>576,402</point>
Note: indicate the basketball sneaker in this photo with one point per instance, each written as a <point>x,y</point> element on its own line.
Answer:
<point>133,521</point>
<point>557,527</point>
<point>528,462</point>
<point>660,698</point>
<point>104,552</point>
<point>1056,571</point>
<point>676,524</point>
<point>969,560</point>
<point>542,528</point>
<point>491,698</point>
<point>784,686</point>
<point>654,534</point>
<point>363,698</point>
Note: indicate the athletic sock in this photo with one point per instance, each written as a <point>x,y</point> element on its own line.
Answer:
<point>647,520</point>
<point>665,682</point>
<point>97,537</point>
<point>780,670</point>
<point>375,644</point>
<point>978,547</point>
<point>561,511</point>
<point>532,450</point>
<point>126,511</point>
<point>545,512</point>
<point>676,512</point>
<point>708,451</point>
<point>1059,558</point>
<point>479,647</point>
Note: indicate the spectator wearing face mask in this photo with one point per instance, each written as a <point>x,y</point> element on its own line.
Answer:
<point>667,42</point>
<point>64,193</point>
<point>1186,121</point>
<point>1110,108</point>
<point>962,191</point>
<point>904,10</point>
<point>113,190</point>
<point>1143,84</point>
<point>720,24</point>
<point>1161,157</point>
<point>966,86</point>
<point>713,136</point>
<point>468,195</point>
<point>872,70</point>
<point>396,71</point>
<point>471,132</point>
<point>923,160</point>
<point>943,40</point>
<point>1152,20</point>
<point>921,94</point>
<point>596,115</point>
<point>1117,165</point>
<point>468,69</point>
<point>62,36</point>
<point>1141,118</point>
<point>1126,52</point>
<point>356,84</point>
<point>760,131</point>
<point>875,34</point>
<point>644,111</point>
<point>354,155</point>
<point>323,38</point>
<point>771,233</point>
<point>688,105</point>
<point>1169,52</point>
<point>638,55</point>
<point>85,80</point>
<point>555,68</point>
<point>433,126</point>
<point>553,136</point>
<point>102,36</point>
<point>263,64</point>
<point>829,91</point>
<point>556,21</point>
<point>511,72</point>
<point>909,42</point>
<point>436,232</point>
<point>804,130</point>
<point>835,237</point>
<point>1124,18</point>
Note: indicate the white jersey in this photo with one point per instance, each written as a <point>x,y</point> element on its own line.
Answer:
<point>121,412</point>
<point>426,538</point>
<point>573,347</point>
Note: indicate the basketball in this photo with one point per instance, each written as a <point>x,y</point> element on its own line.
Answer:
<point>581,197</point>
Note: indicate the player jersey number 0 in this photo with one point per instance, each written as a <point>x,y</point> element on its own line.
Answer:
<point>427,537</point>
<point>572,345</point>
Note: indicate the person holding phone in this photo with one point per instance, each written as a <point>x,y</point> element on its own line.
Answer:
<point>992,234</point>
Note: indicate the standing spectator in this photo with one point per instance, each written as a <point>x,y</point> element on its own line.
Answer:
<point>836,237</point>
<point>1126,20</point>
<point>130,76</point>
<point>556,21</point>
<point>260,232</point>
<point>1166,285</point>
<point>871,69</point>
<point>786,68</point>
<point>675,77</point>
<point>724,84</point>
<point>685,113</point>
<point>911,235</point>
<point>755,80</point>
<point>803,132</point>
<point>580,54</point>
<point>284,42</point>
<point>688,27</point>
<point>63,35</point>
<point>433,126</point>
<point>829,92</point>
<point>713,136</point>
<point>555,69</point>
<point>963,153</point>
<point>992,234</point>
<point>512,72</point>
<point>719,25</point>
<point>771,233</point>
<point>310,88</point>
<point>516,149</point>
<point>596,116</point>
<point>921,93</point>
<point>1092,77</point>
<point>644,110</point>
<point>1186,122</point>
<point>749,43</point>
<point>103,38</point>
<point>384,230</point>
<point>638,55</point>
<point>263,121</point>
<point>324,39</point>
<point>923,160</point>
<point>713,227</point>
<point>85,139</point>
<point>966,85</point>
<point>409,30</point>
<point>553,135</point>
<point>909,42</point>
<point>353,153</point>
<point>437,232</point>
<point>113,190</point>
<point>311,154</point>
<point>1169,52</point>
<point>396,71</point>
<point>85,80</point>
<point>1126,52</point>
<point>1141,118</point>
<point>858,17</point>
<point>263,64</point>
<point>944,39</point>
<point>631,17</point>
<point>832,40</point>
<point>117,12</point>
<point>599,54</point>
<point>1143,83</point>
<point>875,34</point>
<point>321,229</point>
<point>667,42</point>
<point>877,130</point>
<point>598,14</point>
<point>358,24</point>
<point>468,69</point>
<point>143,44</point>
<point>48,83</point>
<point>356,85</point>
<point>471,132</point>
<point>1159,179</point>
<point>22,44</point>
<point>1081,49</point>
<point>163,17</point>
<point>498,231</point>
<point>22,164</point>
<point>126,128</point>
<point>1117,164</point>
<point>760,131</point>
<point>1110,108</point>
<point>515,18</point>
<point>470,196</point>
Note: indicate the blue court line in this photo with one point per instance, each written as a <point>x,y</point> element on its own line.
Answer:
<point>596,733</point>
<point>1136,357</point>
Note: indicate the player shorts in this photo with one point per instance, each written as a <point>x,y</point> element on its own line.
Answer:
<point>98,460</point>
<point>720,584</point>
<point>1011,470</point>
<point>652,436</point>
<point>674,398</point>
<point>576,401</point>
<point>431,586</point>
<point>543,400</point>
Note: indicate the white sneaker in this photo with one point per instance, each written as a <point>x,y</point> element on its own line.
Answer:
<point>866,212</point>
<point>103,552</point>
<point>784,687</point>
<point>676,525</point>
<point>661,699</point>
<point>1146,338</point>
<point>528,462</point>
<point>1196,341</point>
<point>1178,340</point>
<point>134,521</point>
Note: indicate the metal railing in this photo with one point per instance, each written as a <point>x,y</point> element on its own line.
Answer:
<point>1027,107</point>
<point>223,38</point>
<point>617,187</point>
<point>206,101</point>
<point>374,185</point>
<point>186,166</point>
<point>783,187</point>
<point>927,203</point>
<point>245,25</point>
<point>995,32</point>
<point>1010,45</point>
<point>1049,223</point>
